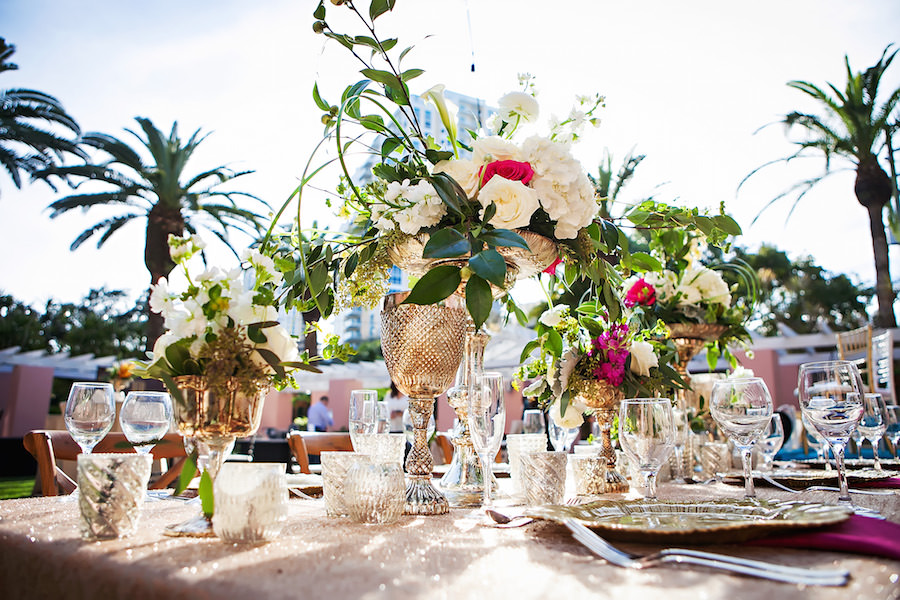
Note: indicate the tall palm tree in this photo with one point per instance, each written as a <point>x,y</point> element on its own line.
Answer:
<point>27,145</point>
<point>853,127</point>
<point>158,191</point>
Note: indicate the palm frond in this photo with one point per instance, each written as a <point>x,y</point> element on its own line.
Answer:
<point>105,224</point>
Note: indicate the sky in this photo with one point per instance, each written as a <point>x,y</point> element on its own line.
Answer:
<point>688,84</point>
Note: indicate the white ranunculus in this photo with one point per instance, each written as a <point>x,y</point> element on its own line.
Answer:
<point>664,283</point>
<point>553,316</point>
<point>515,202</point>
<point>643,358</point>
<point>518,105</point>
<point>463,171</point>
<point>573,417</point>
<point>161,300</point>
<point>491,148</point>
<point>263,265</point>
<point>280,343</point>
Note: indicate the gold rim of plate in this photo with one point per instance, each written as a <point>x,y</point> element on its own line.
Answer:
<point>693,521</point>
<point>800,478</point>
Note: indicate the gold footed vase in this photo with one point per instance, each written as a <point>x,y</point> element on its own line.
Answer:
<point>604,400</point>
<point>422,347</point>
<point>213,420</point>
<point>689,339</point>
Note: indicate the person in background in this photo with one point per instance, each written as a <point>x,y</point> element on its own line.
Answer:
<point>397,403</point>
<point>320,418</point>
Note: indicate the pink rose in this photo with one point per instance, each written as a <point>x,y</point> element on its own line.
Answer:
<point>640,293</point>
<point>552,268</point>
<point>508,169</point>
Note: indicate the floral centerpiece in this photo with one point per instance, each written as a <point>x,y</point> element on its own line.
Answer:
<point>120,375</point>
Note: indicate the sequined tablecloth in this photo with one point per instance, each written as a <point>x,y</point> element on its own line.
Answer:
<point>451,556</point>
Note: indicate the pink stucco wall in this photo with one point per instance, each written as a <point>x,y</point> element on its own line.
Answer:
<point>27,400</point>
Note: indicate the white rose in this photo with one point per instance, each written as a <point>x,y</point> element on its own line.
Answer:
<point>573,417</point>
<point>643,358</point>
<point>280,343</point>
<point>161,300</point>
<point>553,316</point>
<point>491,148</point>
<point>515,202</point>
<point>464,172</point>
<point>518,105</point>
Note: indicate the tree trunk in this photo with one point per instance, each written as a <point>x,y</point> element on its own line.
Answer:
<point>311,342</point>
<point>873,190</point>
<point>160,223</point>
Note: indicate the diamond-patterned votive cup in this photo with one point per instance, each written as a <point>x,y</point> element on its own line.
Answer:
<point>590,474</point>
<point>516,445</point>
<point>543,477</point>
<point>375,492</point>
<point>382,447</point>
<point>250,502</point>
<point>335,466</point>
<point>111,491</point>
<point>715,457</point>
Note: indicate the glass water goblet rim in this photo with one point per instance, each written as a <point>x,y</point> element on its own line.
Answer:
<point>827,363</point>
<point>95,384</point>
<point>150,393</point>
<point>645,400</point>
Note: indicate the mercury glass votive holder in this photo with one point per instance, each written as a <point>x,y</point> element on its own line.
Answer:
<point>589,471</point>
<point>375,492</point>
<point>516,445</point>
<point>111,491</point>
<point>543,476</point>
<point>335,466</point>
<point>382,447</point>
<point>715,458</point>
<point>251,502</point>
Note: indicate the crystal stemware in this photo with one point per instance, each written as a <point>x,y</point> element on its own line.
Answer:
<point>893,427</point>
<point>873,424</point>
<point>647,435</point>
<point>487,421</point>
<point>560,437</point>
<point>682,430</point>
<point>362,416</point>
<point>742,407</point>
<point>145,418</point>
<point>831,398</point>
<point>771,441</point>
<point>533,421</point>
<point>90,413</point>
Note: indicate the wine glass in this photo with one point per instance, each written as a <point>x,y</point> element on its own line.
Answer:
<point>742,407</point>
<point>533,421</point>
<point>873,424</point>
<point>560,437</point>
<point>145,418</point>
<point>893,427</point>
<point>382,417</point>
<point>815,441</point>
<point>771,441</point>
<point>682,429</point>
<point>90,413</point>
<point>647,435</point>
<point>487,421</point>
<point>831,398</point>
<point>362,415</point>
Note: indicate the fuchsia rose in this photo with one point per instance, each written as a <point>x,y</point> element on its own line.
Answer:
<point>508,169</point>
<point>640,293</point>
<point>552,268</point>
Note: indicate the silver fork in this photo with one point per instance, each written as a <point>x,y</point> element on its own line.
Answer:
<point>744,566</point>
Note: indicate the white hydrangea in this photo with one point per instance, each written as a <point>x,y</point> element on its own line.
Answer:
<point>491,148</point>
<point>263,265</point>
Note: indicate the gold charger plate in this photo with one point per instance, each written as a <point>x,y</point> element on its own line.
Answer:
<point>693,522</point>
<point>799,479</point>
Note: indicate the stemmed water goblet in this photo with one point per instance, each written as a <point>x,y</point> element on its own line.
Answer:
<point>831,398</point>
<point>873,424</point>
<point>90,413</point>
<point>533,421</point>
<point>560,437</point>
<point>771,441</point>
<point>682,430</point>
<point>362,416</point>
<point>647,435</point>
<point>742,407</point>
<point>815,441</point>
<point>145,418</point>
<point>487,421</point>
<point>892,420</point>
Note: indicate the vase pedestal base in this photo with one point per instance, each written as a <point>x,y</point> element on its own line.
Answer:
<point>423,499</point>
<point>198,526</point>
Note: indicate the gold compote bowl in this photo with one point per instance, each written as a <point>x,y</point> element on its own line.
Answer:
<point>422,347</point>
<point>213,421</point>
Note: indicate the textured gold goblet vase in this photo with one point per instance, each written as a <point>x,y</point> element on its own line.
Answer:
<point>463,482</point>
<point>604,401</point>
<point>422,347</point>
<point>214,419</point>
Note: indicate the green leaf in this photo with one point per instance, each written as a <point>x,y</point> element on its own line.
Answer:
<point>478,300</point>
<point>379,7</point>
<point>176,354</point>
<point>273,360</point>
<point>528,349</point>
<point>642,261</point>
<point>383,77</point>
<point>373,123</point>
<point>411,74</point>
<point>302,366</point>
<point>446,243</point>
<point>554,343</point>
<point>490,265</point>
<point>318,99</point>
<point>205,491</point>
<point>436,156</point>
<point>350,265</point>
<point>389,145</point>
<point>712,356</point>
<point>451,194</point>
<point>188,472</point>
<point>388,43</point>
<point>504,237</point>
<point>345,40</point>
<point>319,13</point>
<point>173,389</point>
<point>435,285</point>
<point>404,53</point>
<point>318,277</point>
<point>727,224</point>
<point>256,336</point>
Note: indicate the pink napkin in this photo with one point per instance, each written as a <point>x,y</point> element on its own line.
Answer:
<point>858,535</point>
<point>893,483</point>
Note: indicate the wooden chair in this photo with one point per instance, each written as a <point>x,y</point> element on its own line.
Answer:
<point>856,346</point>
<point>883,365</point>
<point>446,446</point>
<point>306,443</point>
<point>48,446</point>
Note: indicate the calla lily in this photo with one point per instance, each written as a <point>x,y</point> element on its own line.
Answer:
<point>435,95</point>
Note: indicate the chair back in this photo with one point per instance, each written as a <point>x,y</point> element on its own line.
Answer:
<point>48,446</point>
<point>856,346</point>
<point>883,365</point>
<point>306,443</point>
<point>446,446</point>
